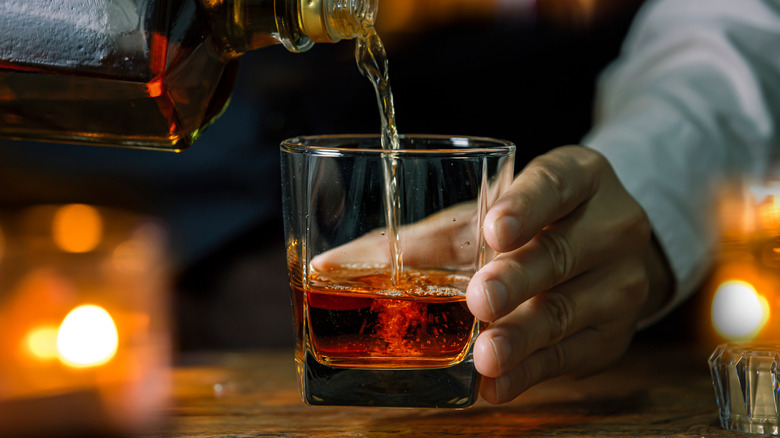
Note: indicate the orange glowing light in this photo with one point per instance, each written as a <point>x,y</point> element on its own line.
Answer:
<point>155,87</point>
<point>766,198</point>
<point>128,256</point>
<point>738,311</point>
<point>42,342</point>
<point>77,228</point>
<point>87,337</point>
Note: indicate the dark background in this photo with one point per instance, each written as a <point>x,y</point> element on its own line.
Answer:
<point>456,66</point>
<point>527,79</point>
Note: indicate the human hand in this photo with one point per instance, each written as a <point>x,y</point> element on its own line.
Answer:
<point>572,278</point>
<point>445,239</point>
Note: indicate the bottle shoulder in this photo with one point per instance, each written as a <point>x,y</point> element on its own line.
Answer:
<point>130,40</point>
<point>102,38</point>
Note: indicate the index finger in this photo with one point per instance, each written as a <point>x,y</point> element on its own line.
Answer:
<point>547,189</point>
<point>447,238</point>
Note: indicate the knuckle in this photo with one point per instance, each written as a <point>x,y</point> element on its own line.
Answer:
<point>519,200</point>
<point>639,281</point>
<point>560,254</point>
<point>545,364</point>
<point>638,224</point>
<point>635,286</point>
<point>547,172</point>
<point>586,161</point>
<point>526,374</point>
<point>520,280</point>
<point>592,159</point>
<point>533,370</point>
<point>560,315</point>
<point>557,358</point>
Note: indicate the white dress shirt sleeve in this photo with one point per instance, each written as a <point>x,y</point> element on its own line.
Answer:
<point>693,98</point>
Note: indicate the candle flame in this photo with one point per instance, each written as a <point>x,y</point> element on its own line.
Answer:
<point>738,311</point>
<point>87,337</point>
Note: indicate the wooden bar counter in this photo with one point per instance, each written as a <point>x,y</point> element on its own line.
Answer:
<point>655,390</point>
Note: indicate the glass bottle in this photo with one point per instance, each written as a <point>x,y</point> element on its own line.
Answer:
<point>144,73</point>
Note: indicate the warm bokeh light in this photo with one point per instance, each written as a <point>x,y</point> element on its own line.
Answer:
<point>77,228</point>
<point>128,257</point>
<point>410,16</point>
<point>413,15</point>
<point>738,311</point>
<point>87,337</point>
<point>2,244</point>
<point>767,201</point>
<point>42,342</point>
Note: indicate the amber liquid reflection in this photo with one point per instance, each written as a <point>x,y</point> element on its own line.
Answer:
<point>360,318</point>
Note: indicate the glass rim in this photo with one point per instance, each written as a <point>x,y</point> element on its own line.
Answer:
<point>458,145</point>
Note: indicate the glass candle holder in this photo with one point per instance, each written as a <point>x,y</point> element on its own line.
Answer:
<point>745,280</point>
<point>381,246</point>
<point>84,329</point>
<point>746,378</point>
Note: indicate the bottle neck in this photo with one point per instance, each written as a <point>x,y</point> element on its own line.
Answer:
<point>330,21</point>
<point>246,25</point>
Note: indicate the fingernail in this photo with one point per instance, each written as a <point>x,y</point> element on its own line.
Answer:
<point>502,349</point>
<point>496,295</point>
<point>507,230</point>
<point>503,384</point>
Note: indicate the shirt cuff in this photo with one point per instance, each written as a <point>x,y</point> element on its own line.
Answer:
<point>676,209</point>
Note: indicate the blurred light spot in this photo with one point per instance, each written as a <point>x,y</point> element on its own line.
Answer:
<point>42,342</point>
<point>77,228</point>
<point>572,13</point>
<point>219,390</point>
<point>738,311</point>
<point>767,202</point>
<point>155,87</point>
<point>87,337</point>
<point>128,257</point>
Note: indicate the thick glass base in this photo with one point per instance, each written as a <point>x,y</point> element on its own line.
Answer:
<point>751,425</point>
<point>456,386</point>
<point>747,387</point>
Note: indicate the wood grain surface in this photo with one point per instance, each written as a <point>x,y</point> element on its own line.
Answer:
<point>655,390</point>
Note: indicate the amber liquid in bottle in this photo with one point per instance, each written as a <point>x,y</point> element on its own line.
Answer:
<point>143,73</point>
<point>148,75</point>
